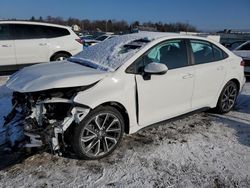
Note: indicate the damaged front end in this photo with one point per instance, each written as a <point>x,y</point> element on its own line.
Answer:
<point>40,119</point>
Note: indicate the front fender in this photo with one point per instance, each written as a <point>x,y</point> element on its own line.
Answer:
<point>112,89</point>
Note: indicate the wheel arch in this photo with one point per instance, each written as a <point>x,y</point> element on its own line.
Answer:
<point>59,52</point>
<point>118,106</point>
<point>236,81</point>
<point>215,102</point>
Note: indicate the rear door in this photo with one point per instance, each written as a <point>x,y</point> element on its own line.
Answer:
<point>31,44</point>
<point>210,70</point>
<point>7,45</point>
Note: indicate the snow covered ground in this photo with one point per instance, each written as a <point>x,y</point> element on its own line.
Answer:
<point>203,150</point>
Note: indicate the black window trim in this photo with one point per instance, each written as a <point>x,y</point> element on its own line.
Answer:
<point>13,27</point>
<point>189,58</point>
<point>11,32</point>
<point>211,45</point>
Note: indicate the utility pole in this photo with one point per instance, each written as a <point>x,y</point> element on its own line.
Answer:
<point>106,26</point>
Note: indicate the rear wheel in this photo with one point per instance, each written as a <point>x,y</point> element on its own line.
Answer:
<point>227,98</point>
<point>60,57</point>
<point>99,133</point>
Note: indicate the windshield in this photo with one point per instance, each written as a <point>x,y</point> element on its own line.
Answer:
<point>110,54</point>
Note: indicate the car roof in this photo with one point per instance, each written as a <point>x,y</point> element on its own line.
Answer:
<point>108,54</point>
<point>111,54</point>
<point>32,23</point>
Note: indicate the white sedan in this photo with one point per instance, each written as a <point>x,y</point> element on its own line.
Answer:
<point>120,86</point>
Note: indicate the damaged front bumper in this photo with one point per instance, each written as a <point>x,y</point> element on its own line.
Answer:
<point>40,120</point>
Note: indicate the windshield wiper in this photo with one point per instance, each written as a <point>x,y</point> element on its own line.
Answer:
<point>87,63</point>
<point>80,62</point>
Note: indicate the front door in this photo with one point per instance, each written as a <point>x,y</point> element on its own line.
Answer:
<point>168,95</point>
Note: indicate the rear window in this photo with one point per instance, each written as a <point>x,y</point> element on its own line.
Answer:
<point>205,52</point>
<point>53,32</point>
<point>202,51</point>
<point>27,31</point>
<point>219,54</point>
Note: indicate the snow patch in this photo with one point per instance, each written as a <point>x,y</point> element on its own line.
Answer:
<point>203,150</point>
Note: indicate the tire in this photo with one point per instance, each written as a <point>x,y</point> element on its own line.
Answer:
<point>99,134</point>
<point>60,57</point>
<point>227,98</point>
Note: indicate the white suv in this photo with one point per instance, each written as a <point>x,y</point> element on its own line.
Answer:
<point>120,85</point>
<point>24,43</point>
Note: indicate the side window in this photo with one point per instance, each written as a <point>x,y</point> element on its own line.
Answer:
<point>171,53</point>
<point>5,32</point>
<point>202,51</point>
<point>26,31</point>
<point>174,54</point>
<point>53,32</point>
<point>245,47</point>
<point>218,53</point>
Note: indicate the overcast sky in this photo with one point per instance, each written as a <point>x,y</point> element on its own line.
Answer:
<point>204,14</point>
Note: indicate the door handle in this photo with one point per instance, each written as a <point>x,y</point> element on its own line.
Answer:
<point>42,44</point>
<point>187,76</point>
<point>6,45</point>
<point>220,68</point>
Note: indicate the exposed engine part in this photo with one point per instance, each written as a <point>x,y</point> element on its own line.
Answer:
<point>35,140</point>
<point>41,120</point>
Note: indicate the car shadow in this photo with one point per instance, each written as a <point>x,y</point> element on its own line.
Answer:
<point>10,158</point>
<point>248,79</point>
<point>6,73</point>
<point>243,104</point>
<point>240,125</point>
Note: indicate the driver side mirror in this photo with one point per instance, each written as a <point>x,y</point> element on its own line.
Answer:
<point>154,68</point>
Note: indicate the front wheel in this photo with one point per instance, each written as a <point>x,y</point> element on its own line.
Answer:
<point>99,133</point>
<point>227,98</point>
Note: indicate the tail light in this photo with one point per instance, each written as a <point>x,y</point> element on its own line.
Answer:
<point>79,40</point>
<point>242,63</point>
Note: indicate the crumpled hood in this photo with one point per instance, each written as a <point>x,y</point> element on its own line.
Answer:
<point>53,75</point>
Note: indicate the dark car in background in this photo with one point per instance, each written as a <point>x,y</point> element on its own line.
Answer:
<point>244,52</point>
<point>95,40</point>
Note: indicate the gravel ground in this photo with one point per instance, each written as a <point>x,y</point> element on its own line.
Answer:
<point>203,150</point>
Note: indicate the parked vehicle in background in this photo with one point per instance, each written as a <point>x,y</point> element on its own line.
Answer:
<point>244,51</point>
<point>87,37</point>
<point>233,45</point>
<point>23,43</point>
<point>91,42</point>
<point>121,85</point>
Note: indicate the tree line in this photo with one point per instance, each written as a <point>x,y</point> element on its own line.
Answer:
<point>116,26</point>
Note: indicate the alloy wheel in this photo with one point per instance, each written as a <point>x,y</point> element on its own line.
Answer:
<point>101,134</point>
<point>229,97</point>
<point>60,58</point>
